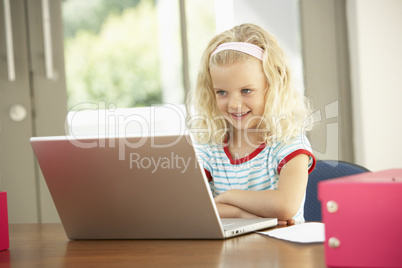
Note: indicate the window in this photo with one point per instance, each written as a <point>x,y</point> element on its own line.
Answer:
<point>122,54</point>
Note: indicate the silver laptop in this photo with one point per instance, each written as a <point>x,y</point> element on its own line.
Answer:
<point>133,188</point>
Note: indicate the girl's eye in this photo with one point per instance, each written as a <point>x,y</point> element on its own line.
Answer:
<point>246,90</point>
<point>221,93</point>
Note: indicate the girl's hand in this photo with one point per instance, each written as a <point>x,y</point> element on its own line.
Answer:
<point>285,223</point>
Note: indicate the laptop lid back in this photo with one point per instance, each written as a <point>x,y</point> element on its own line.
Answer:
<point>128,188</point>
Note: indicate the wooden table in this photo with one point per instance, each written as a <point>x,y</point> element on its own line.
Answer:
<point>46,245</point>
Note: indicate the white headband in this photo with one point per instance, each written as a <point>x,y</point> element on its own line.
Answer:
<point>244,47</point>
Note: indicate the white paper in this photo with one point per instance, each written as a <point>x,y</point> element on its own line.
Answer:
<point>311,232</point>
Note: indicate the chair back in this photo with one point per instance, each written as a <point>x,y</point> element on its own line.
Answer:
<point>324,170</point>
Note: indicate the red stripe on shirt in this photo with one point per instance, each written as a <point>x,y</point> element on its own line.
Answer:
<point>244,159</point>
<point>292,155</point>
<point>208,175</point>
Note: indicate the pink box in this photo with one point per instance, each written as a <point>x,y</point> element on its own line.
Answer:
<point>363,219</point>
<point>4,242</point>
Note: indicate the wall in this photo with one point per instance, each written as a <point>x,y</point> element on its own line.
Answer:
<point>327,77</point>
<point>280,18</point>
<point>375,42</point>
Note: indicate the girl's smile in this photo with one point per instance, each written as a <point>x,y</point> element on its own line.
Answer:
<point>240,90</point>
<point>240,116</point>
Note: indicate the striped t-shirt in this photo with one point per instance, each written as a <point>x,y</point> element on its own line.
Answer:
<point>258,171</point>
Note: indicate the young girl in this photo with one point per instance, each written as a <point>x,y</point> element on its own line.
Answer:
<point>248,121</point>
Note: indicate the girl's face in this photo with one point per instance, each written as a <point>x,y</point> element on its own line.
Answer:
<point>240,90</point>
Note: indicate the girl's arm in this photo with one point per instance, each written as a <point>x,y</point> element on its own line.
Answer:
<point>282,203</point>
<point>229,211</point>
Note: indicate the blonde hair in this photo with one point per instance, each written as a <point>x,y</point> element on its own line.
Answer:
<point>286,110</point>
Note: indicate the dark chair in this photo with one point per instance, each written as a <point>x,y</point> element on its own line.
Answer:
<point>324,170</point>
